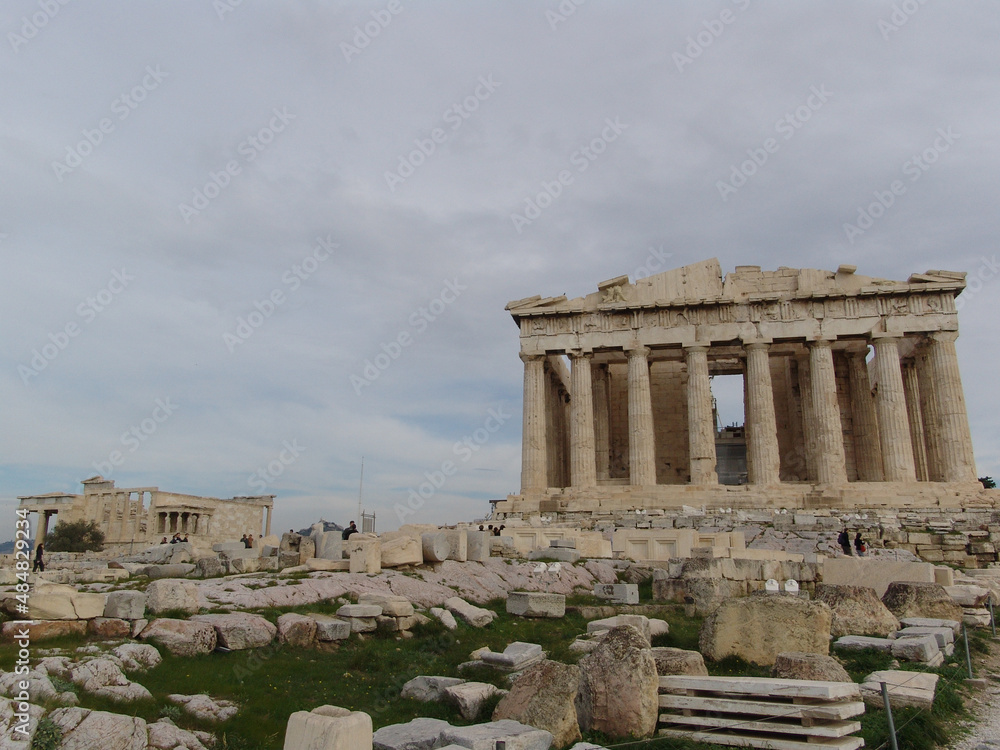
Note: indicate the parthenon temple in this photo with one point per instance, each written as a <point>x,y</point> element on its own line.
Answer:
<point>852,392</point>
<point>133,518</point>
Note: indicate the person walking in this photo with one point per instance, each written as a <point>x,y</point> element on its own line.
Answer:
<point>844,540</point>
<point>859,545</point>
<point>39,561</point>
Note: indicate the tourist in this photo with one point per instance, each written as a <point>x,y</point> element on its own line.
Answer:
<point>844,540</point>
<point>490,528</point>
<point>163,541</point>
<point>859,544</point>
<point>175,538</point>
<point>250,542</point>
<point>246,542</point>
<point>185,539</point>
<point>39,562</point>
<point>352,529</point>
<point>480,527</point>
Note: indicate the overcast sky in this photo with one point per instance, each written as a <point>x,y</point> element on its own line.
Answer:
<point>215,217</point>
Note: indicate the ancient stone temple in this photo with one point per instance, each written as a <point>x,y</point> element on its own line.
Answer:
<point>852,392</point>
<point>133,518</point>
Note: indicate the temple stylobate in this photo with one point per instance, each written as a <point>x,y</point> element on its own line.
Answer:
<point>852,392</point>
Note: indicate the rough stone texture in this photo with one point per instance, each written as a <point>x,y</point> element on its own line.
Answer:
<point>921,648</point>
<point>678,661</point>
<point>795,665</point>
<point>84,729</point>
<point>419,734</point>
<point>428,688</point>
<point>296,630</point>
<point>639,622</point>
<point>104,678</point>
<point>514,657</point>
<point>127,605</point>
<point>910,599</point>
<point>470,697</point>
<point>181,637</point>
<point>240,630</point>
<point>403,550</point>
<point>435,547</point>
<point>328,728</point>
<point>330,628</point>
<point>359,610</point>
<point>8,721</point>
<point>758,628</point>
<point>109,627</point>
<point>41,631</point>
<point>536,604</point>
<point>447,618</point>
<point>206,708</point>
<point>170,594</point>
<point>209,567</point>
<point>857,610</point>
<point>171,570</point>
<point>544,697</point>
<point>862,642</point>
<point>392,605</point>
<point>137,656</point>
<point>516,735</point>
<point>619,686</point>
<point>475,616</point>
<point>164,735</point>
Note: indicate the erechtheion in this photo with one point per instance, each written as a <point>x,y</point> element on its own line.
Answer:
<point>139,516</point>
<point>852,392</point>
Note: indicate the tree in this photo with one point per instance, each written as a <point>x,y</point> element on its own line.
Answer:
<point>988,482</point>
<point>75,536</point>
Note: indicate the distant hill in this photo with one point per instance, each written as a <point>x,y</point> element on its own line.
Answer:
<point>7,547</point>
<point>327,526</point>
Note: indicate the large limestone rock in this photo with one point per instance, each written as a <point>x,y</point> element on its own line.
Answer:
<point>181,637</point>
<point>137,656</point>
<point>164,735</point>
<point>328,728</point>
<point>678,661</point>
<point>469,697</point>
<point>55,601</point>
<point>757,628</point>
<point>905,689</point>
<point>83,729</point>
<point>418,734</point>
<point>126,605</point>
<point>240,630</point>
<point>515,735</point>
<point>296,630</point>
<point>205,707</point>
<point>544,696</point>
<point>105,678</point>
<point>619,686</point>
<point>403,550</point>
<point>427,688</point>
<point>169,594</point>
<point>912,599</point>
<point>536,604</point>
<point>857,610</point>
<point>109,628</point>
<point>795,665</point>
<point>45,630</point>
<point>475,616</point>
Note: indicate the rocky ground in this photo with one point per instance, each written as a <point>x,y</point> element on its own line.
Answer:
<point>985,705</point>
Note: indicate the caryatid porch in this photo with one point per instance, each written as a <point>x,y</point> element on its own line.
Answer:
<point>618,405</point>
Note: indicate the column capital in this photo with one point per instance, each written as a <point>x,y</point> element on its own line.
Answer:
<point>637,350</point>
<point>531,357</point>
<point>944,336</point>
<point>579,352</point>
<point>688,348</point>
<point>877,336</point>
<point>820,343</point>
<point>859,349</point>
<point>757,345</point>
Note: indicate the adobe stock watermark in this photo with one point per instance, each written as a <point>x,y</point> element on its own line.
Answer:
<point>562,13</point>
<point>293,278</point>
<point>365,33</point>
<point>705,38</point>
<point>136,435</point>
<point>581,158</point>
<point>786,127</point>
<point>122,106</point>
<point>463,450</point>
<point>901,14</point>
<point>88,311</point>
<point>419,321</point>
<point>455,116</point>
<point>655,262</point>
<point>974,282</point>
<point>915,167</point>
<point>223,8</point>
<point>250,148</point>
<point>31,26</point>
<point>288,455</point>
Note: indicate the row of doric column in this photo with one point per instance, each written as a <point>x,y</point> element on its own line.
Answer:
<point>915,427</point>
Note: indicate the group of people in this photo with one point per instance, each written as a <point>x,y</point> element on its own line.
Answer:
<point>177,538</point>
<point>494,530</point>
<point>351,529</point>
<point>844,540</point>
<point>247,540</point>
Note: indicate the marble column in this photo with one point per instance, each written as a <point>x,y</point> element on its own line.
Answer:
<point>890,405</point>
<point>602,420</point>
<point>41,526</point>
<point>534,466</point>
<point>582,455</point>
<point>928,410</point>
<point>701,423</point>
<point>763,457</point>
<point>915,417</point>
<point>641,445</point>
<point>809,438</point>
<point>958,463</point>
<point>867,450</point>
<point>830,462</point>
<point>267,521</point>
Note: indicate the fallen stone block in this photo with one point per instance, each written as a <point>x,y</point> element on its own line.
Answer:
<point>910,599</point>
<point>516,736</point>
<point>619,686</point>
<point>435,547</point>
<point>109,627</point>
<point>458,544</point>
<point>469,697</point>
<point>359,610</point>
<point>181,637</point>
<point>475,616</point>
<point>329,728</point>
<point>862,642</point>
<point>418,734</point>
<point>794,665</point>
<point>428,688</point>
<point>330,628</point>
<point>932,622</point>
<point>536,604</point>
<point>392,605</point>
<point>321,563</point>
<point>126,605</point>
<point>856,610</point>
<point>445,617</point>
<point>559,554</point>
<point>944,636</point>
<point>478,545</point>
<point>238,631</point>
<point>296,630</point>
<point>170,594</point>
<point>905,688</point>
<point>544,697</point>
<point>618,593</point>
<point>677,661</point>
<point>365,555</point>
<point>515,657</point>
<point>403,550</point>
<point>639,622</point>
